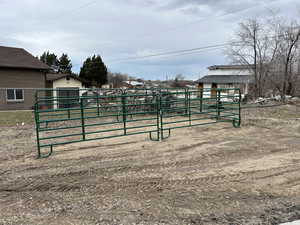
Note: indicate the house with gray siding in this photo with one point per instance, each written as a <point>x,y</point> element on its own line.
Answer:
<point>21,74</point>
<point>226,77</point>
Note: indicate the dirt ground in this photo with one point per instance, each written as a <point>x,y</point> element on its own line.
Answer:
<point>213,174</point>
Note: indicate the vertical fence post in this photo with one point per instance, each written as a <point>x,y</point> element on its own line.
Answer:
<point>189,107</point>
<point>186,101</point>
<point>240,99</point>
<point>124,112</point>
<point>218,99</point>
<point>158,116</point>
<point>37,127</point>
<point>201,100</point>
<point>161,117</point>
<point>82,119</point>
<point>36,97</point>
<point>98,112</point>
<point>69,100</point>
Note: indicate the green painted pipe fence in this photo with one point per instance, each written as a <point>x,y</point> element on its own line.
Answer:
<point>95,114</point>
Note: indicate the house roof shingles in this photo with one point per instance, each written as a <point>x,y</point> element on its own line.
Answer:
<point>57,76</point>
<point>226,79</point>
<point>19,58</point>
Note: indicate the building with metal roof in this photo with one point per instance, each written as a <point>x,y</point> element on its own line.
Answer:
<point>228,76</point>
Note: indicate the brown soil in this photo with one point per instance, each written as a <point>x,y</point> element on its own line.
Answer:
<point>213,174</point>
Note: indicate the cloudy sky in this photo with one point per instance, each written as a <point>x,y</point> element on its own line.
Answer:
<point>121,29</point>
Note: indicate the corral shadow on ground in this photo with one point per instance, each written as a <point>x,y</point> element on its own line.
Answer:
<point>213,174</point>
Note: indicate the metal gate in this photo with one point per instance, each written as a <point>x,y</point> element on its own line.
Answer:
<point>64,93</point>
<point>110,113</point>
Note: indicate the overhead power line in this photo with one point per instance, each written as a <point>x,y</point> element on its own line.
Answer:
<point>175,54</point>
<point>184,51</point>
<point>190,51</point>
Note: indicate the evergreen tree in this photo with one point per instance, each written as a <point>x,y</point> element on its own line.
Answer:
<point>51,60</point>
<point>94,71</point>
<point>64,64</point>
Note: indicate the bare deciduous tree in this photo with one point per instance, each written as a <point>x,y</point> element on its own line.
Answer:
<point>254,48</point>
<point>270,48</point>
<point>288,50</point>
<point>116,79</point>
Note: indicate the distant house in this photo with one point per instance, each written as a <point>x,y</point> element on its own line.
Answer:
<point>65,86</point>
<point>21,74</point>
<point>122,85</point>
<point>107,86</point>
<point>227,76</point>
<point>184,84</point>
<point>135,84</point>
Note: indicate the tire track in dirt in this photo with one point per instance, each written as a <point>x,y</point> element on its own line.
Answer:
<point>124,158</point>
<point>202,158</point>
<point>215,179</point>
<point>72,184</point>
<point>151,184</point>
<point>211,179</point>
<point>293,182</point>
<point>177,151</point>
<point>278,173</point>
<point>37,184</point>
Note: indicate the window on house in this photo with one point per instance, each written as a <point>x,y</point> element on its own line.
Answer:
<point>14,95</point>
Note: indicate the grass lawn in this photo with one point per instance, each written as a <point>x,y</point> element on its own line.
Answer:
<point>16,117</point>
<point>12,118</point>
